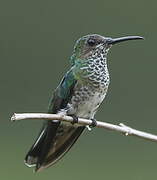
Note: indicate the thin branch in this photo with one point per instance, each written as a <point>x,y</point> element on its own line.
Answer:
<point>126,130</point>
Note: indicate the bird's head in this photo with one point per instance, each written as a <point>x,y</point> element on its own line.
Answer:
<point>89,45</point>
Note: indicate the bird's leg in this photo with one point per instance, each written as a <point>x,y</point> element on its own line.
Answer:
<point>93,124</point>
<point>75,119</point>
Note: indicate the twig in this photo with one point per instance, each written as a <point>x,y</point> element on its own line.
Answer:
<point>126,130</point>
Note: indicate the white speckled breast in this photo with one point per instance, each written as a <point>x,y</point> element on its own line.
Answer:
<point>86,101</point>
<point>90,90</point>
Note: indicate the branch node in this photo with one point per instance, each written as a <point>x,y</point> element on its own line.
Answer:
<point>13,118</point>
<point>127,128</point>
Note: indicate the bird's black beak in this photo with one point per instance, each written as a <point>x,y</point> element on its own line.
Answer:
<point>112,41</point>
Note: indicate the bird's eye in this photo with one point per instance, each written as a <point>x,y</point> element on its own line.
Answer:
<point>91,42</point>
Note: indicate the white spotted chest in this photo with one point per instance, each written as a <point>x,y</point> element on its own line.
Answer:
<point>86,101</point>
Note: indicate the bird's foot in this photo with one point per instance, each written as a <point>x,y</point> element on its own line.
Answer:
<point>75,119</point>
<point>93,124</point>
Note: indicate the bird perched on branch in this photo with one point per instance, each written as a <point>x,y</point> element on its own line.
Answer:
<point>79,94</point>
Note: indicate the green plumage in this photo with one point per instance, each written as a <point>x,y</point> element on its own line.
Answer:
<point>63,91</point>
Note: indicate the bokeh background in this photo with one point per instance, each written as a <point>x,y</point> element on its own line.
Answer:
<point>36,41</point>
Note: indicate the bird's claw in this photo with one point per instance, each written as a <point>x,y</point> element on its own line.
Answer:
<point>93,124</point>
<point>75,119</point>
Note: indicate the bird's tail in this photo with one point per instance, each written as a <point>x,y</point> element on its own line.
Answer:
<point>54,140</point>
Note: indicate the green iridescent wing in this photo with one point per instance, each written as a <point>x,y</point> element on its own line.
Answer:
<point>63,93</point>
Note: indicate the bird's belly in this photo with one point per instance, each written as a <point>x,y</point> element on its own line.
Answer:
<point>86,105</point>
<point>88,108</point>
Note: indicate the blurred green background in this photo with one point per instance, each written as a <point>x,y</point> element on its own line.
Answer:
<point>36,40</point>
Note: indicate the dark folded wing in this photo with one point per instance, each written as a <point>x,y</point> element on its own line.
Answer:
<point>55,138</point>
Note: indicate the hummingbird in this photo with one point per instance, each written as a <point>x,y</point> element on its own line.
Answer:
<point>79,94</point>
